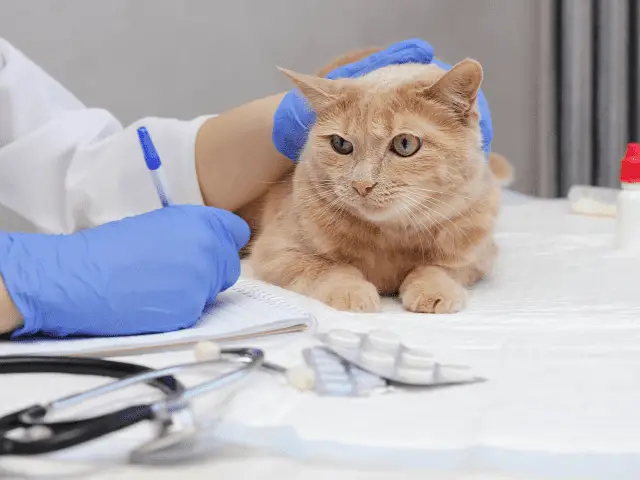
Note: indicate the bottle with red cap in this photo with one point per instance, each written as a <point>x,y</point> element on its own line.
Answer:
<point>628,209</point>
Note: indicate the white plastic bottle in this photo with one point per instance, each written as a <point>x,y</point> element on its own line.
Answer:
<point>593,201</point>
<point>628,208</point>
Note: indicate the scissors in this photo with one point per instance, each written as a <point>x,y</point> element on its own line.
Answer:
<point>29,432</point>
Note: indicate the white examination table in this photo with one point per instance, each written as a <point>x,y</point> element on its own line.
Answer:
<point>556,332</point>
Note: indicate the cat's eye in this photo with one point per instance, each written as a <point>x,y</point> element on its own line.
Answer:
<point>405,145</point>
<point>340,145</point>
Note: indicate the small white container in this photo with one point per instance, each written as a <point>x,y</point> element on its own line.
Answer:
<point>628,208</point>
<point>593,201</point>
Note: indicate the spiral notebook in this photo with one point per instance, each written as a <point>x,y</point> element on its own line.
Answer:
<point>245,311</point>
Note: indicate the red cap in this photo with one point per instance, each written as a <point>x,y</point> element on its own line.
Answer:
<point>630,169</point>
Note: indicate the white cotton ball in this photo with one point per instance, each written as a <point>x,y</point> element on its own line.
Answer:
<point>205,351</point>
<point>301,377</point>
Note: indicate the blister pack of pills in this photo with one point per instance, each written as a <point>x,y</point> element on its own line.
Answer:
<point>381,353</point>
<point>337,377</point>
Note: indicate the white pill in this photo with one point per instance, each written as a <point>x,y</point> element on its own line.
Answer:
<point>415,375</point>
<point>417,359</point>
<point>205,351</point>
<point>301,377</point>
<point>377,359</point>
<point>343,339</point>
<point>384,340</point>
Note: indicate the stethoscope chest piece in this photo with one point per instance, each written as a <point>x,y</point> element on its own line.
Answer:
<point>175,438</point>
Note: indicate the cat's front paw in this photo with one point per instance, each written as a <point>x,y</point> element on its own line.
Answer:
<point>437,293</point>
<point>352,295</point>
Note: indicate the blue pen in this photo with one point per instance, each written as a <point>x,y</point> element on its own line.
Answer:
<point>152,159</point>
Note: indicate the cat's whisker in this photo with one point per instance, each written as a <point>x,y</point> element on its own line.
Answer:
<point>418,212</point>
<point>318,212</point>
<point>327,201</point>
<point>413,203</point>
<point>475,200</point>
<point>314,212</point>
<point>289,180</point>
<point>427,210</point>
<point>439,192</point>
<point>337,211</point>
<point>328,205</point>
<point>424,210</point>
<point>325,188</point>
<point>420,228</point>
<point>405,211</point>
<point>461,230</point>
<point>433,199</point>
<point>310,200</point>
<point>316,194</point>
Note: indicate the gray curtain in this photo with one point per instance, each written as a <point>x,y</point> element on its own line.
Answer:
<point>589,100</point>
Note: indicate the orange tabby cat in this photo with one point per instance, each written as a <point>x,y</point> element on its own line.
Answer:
<point>392,193</point>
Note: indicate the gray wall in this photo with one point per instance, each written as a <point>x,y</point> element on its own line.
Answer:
<point>185,58</point>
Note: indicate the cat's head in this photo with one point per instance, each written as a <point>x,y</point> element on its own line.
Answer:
<point>396,140</point>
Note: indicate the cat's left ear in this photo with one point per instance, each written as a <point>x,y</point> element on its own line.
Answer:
<point>459,86</point>
<point>319,91</point>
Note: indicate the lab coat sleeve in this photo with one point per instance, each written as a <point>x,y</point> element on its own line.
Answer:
<point>65,167</point>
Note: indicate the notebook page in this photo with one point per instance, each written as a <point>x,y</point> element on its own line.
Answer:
<point>245,311</point>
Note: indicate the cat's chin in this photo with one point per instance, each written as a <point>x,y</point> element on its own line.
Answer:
<point>376,213</point>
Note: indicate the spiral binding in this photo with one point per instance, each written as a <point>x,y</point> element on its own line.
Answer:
<point>253,290</point>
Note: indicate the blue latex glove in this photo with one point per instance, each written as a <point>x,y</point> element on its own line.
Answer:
<point>294,118</point>
<point>151,273</point>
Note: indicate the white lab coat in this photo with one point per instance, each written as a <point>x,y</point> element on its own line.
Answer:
<point>65,167</point>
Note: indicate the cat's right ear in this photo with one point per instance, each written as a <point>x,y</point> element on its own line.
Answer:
<point>319,91</point>
<point>459,86</point>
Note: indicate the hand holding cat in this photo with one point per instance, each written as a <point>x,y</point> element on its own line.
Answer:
<point>294,117</point>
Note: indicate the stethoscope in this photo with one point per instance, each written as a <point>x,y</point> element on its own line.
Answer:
<point>28,432</point>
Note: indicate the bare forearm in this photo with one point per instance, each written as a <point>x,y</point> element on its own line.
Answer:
<point>10,317</point>
<point>235,157</point>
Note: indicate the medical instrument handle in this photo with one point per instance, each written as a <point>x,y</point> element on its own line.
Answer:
<point>15,364</point>
<point>146,377</point>
<point>59,435</point>
<point>253,358</point>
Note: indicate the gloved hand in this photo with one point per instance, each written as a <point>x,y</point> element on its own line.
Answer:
<point>152,273</point>
<point>294,118</point>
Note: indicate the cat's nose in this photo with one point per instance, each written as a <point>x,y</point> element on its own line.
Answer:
<point>363,187</point>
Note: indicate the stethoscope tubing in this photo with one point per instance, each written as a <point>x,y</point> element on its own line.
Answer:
<point>61,435</point>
